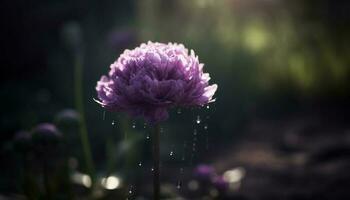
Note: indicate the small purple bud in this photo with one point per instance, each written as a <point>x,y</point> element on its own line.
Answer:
<point>46,134</point>
<point>22,136</point>
<point>22,141</point>
<point>204,172</point>
<point>67,117</point>
<point>220,183</point>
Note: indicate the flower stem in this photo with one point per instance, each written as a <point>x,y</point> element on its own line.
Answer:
<point>156,158</point>
<point>47,184</point>
<point>78,79</point>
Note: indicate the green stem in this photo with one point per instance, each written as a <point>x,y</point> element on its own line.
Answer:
<point>47,184</point>
<point>80,107</point>
<point>156,159</point>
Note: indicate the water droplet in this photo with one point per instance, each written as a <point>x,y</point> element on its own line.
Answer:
<point>198,120</point>
<point>179,111</point>
<point>133,125</point>
<point>178,185</point>
<point>147,137</point>
<point>130,190</point>
<point>171,153</point>
<point>144,125</point>
<point>208,107</point>
<point>113,123</point>
<point>194,146</point>
<point>205,127</point>
<point>152,169</point>
<point>181,170</point>
<point>140,164</point>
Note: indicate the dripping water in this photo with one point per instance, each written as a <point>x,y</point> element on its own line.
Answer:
<point>178,184</point>
<point>198,120</point>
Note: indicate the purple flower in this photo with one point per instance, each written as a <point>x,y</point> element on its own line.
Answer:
<point>46,134</point>
<point>66,117</point>
<point>22,141</point>
<point>220,183</point>
<point>153,77</point>
<point>22,136</point>
<point>204,172</point>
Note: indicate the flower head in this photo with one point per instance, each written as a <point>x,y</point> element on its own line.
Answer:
<point>46,134</point>
<point>67,118</point>
<point>22,141</point>
<point>153,77</point>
